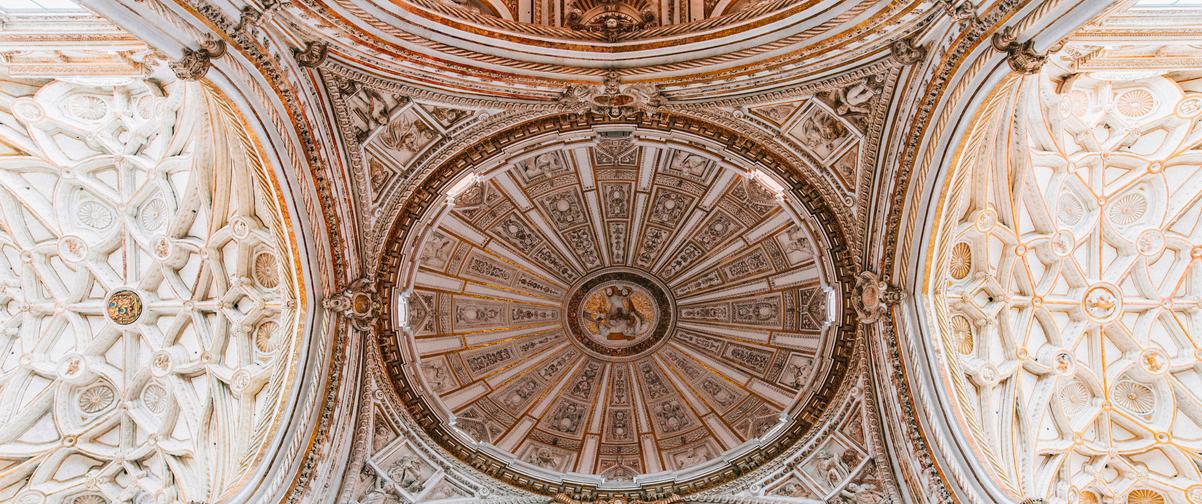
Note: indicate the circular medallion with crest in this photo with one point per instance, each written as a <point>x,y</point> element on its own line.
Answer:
<point>619,313</point>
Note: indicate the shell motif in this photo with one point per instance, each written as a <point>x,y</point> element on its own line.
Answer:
<point>87,107</point>
<point>1071,211</point>
<point>263,336</point>
<point>1128,209</point>
<point>1074,397</point>
<point>1145,496</point>
<point>267,270</point>
<point>1134,397</point>
<point>154,397</point>
<point>962,332</point>
<point>1135,103</point>
<point>960,263</point>
<point>96,398</point>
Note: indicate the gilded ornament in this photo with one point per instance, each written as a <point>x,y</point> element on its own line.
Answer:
<point>618,313</point>
<point>1194,494</point>
<point>72,249</point>
<point>1063,243</point>
<point>265,336</point>
<point>1153,361</point>
<point>960,262</point>
<point>124,307</point>
<point>1145,496</point>
<point>962,332</point>
<point>267,270</point>
<point>1102,303</point>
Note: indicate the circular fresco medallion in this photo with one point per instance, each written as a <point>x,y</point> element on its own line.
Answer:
<point>124,307</point>
<point>619,313</point>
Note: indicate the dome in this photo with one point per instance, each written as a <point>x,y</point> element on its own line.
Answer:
<point>616,307</point>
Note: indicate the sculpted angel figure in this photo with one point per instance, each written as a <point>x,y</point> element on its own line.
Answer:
<point>621,320</point>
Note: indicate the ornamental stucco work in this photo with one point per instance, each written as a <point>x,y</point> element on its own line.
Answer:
<point>1065,286</point>
<point>149,299</point>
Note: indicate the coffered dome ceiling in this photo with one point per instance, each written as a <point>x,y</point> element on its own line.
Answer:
<point>615,305</point>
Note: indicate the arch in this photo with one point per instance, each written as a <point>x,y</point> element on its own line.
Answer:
<point>273,122</point>
<point>941,147</point>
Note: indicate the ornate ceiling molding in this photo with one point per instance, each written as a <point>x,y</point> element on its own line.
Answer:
<point>160,339</point>
<point>256,75</point>
<point>852,105</point>
<point>332,86</point>
<point>366,36</point>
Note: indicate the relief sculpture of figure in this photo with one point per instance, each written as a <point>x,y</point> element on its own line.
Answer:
<point>622,320</point>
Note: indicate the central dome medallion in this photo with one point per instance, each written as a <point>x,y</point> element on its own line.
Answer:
<point>615,310</point>
<point>619,313</point>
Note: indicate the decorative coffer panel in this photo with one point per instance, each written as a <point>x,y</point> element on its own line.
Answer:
<point>149,294</point>
<point>1063,287</point>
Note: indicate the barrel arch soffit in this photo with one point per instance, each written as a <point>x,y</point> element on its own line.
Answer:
<point>940,106</point>
<point>264,86</point>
